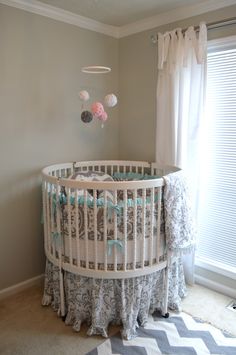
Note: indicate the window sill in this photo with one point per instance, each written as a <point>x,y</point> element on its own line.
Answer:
<point>216,267</point>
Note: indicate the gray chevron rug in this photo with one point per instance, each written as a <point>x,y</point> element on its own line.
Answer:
<point>180,334</point>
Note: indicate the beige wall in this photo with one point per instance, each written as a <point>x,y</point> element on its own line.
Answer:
<point>137,84</point>
<point>40,77</point>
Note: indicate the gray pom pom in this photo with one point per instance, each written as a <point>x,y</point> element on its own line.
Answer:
<point>86,116</point>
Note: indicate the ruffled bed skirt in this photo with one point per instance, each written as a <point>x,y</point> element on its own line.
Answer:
<point>100,302</point>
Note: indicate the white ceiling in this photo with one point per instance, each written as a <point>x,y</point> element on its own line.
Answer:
<point>118,18</point>
<point>121,12</point>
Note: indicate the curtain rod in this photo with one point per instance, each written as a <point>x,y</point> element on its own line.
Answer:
<point>210,26</point>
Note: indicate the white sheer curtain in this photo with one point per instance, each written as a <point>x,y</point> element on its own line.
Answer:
<point>180,98</point>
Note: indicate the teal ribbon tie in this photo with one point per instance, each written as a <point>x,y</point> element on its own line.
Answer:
<point>118,244</point>
<point>42,218</point>
<point>56,237</point>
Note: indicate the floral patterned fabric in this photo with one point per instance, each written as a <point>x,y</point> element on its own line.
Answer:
<point>110,222</point>
<point>179,226</point>
<point>99,302</point>
<point>80,216</point>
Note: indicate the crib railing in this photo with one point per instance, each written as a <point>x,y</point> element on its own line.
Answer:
<point>109,167</point>
<point>99,237</point>
<point>106,166</point>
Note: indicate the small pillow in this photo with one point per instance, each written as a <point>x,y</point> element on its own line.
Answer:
<point>131,176</point>
<point>92,176</point>
<point>127,176</point>
<point>110,196</point>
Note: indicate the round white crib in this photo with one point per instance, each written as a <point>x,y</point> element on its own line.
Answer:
<point>105,220</point>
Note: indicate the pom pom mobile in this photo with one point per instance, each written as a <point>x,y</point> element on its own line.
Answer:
<point>97,109</point>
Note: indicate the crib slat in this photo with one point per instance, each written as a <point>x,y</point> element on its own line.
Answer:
<point>45,223</point>
<point>52,210</point>
<point>105,229</point>
<point>68,192</point>
<point>151,227</point>
<point>158,223</point>
<point>60,248</point>
<point>115,232</point>
<point>86,228</point>
<point>58,222</point>
<point>135,229</point>
<point>47,219</point>
<point>125,230</point>
<point>95,228</point>
<point>143,224</point>
<point>77,228</point>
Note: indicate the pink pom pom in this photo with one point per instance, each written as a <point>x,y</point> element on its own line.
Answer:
<point>97,109</point>
<point>103,116</point>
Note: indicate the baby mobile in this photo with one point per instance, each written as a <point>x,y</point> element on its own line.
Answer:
<point>97,110</point>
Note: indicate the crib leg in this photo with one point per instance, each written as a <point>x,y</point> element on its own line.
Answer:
<point>62,295</point>
<point>165,314</point>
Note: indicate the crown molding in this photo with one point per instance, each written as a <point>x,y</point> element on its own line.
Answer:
<point>58,14</point>
<point>173,16</point>
<point>55,13</point>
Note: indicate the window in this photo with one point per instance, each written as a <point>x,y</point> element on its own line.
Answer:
<point>217,196</point>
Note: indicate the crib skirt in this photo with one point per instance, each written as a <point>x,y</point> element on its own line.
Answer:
<point>100,302</point>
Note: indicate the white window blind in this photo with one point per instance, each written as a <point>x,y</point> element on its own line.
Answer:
<point>217,195</point>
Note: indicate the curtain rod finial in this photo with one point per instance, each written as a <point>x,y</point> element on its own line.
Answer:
<point>154,39</point>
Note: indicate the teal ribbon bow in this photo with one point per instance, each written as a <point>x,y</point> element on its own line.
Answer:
<point>112,208</point>
<point>114,243</point>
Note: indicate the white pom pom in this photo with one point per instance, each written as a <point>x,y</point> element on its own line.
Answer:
<point>110,100</point>
<point>84,95</point>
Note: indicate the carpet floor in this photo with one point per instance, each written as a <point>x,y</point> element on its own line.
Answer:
<point>210,306</point>
<point>27,328</point>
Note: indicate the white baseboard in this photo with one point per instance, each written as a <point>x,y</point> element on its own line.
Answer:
<point>215,286</point>
<point>6,292</point>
